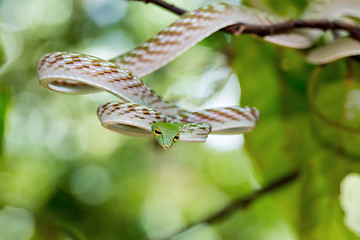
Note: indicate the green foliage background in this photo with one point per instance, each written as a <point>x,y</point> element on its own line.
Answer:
<point>63,176</point>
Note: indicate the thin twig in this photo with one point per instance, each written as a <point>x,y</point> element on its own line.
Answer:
<point>239,203</point>
<point>262,30</point>
<point>168,6</point>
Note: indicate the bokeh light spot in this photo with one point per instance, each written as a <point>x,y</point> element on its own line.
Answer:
<point>91,185</point>
<point>161,218</point>
<point>349,201</point>
<point>17,18</point>
<point>56,11</point>
<point>16,224</point>
<point>225,143</point>
<point>105,12</point>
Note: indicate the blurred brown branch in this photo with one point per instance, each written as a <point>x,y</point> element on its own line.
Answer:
<point>240,203</point>
<point>168,6</point>
<point>239,28</point>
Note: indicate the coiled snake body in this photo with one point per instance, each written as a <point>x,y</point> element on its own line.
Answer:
<point>143,112</point>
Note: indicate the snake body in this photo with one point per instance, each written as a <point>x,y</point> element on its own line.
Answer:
<point>194,126</point>
<point>147,107</point>
<point>81,73</point>
<point>86,71</point>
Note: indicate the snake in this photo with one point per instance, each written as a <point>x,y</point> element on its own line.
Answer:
<point>143,112</point>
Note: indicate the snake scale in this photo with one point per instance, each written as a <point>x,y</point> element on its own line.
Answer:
<point>143,112</point>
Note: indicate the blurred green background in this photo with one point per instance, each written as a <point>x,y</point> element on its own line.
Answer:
<point>64,176</point>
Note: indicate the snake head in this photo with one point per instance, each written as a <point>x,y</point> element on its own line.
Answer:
<point>165,133</point>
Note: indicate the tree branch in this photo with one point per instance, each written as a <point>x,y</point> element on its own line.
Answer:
<point>260,30</point>
<point>168,6</point>
<point>240,203</point>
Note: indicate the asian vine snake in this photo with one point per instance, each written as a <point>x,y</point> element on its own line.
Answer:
<point>143,112</point>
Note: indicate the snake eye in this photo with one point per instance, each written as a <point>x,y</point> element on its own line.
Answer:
<point>176,137</point>
<point>157,132</point>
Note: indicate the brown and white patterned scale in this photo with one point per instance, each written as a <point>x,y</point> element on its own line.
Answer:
<point>194,26</point>
<point>137,120</point>
<point>81,73</point>
<point>73,70</point>
<point>228,120</point>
